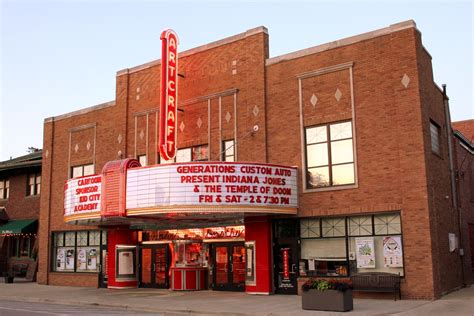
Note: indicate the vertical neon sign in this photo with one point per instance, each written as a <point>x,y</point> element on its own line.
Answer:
<point>169,95</point>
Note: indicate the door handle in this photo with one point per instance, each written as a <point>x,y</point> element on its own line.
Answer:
<point>293,268</point>
<point>231,267</point>
<point>154,268</point>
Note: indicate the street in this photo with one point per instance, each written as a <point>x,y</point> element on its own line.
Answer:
<point>10,308</point>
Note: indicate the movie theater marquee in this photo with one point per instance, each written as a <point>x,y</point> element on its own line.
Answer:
<point>212,184</point>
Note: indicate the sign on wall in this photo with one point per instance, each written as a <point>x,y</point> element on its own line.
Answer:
<point>169,95</point>
<point>392,251</point>
<point>209,187</point>
<point>82,195</point>
<point>365,252</point>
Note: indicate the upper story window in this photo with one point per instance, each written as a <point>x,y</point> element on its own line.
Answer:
<point>329,155</point>
<point>4,188</point>
<point>229,153</point>
<point>196,153</point>
<point>434,131</point>
<point>34,184</point>
<point>82,170</point>
<point>143,160</point>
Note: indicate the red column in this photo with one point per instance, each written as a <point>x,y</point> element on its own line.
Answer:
<point>119,237</point>
<point>259,230</point>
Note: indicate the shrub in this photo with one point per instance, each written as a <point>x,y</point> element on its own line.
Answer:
<point>323,285</point>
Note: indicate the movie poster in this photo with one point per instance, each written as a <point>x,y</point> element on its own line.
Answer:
<point>392,251</point>
<point>365,252</point>
<point>81,259</point>
<point>60,259</point>
<point>70,259</point>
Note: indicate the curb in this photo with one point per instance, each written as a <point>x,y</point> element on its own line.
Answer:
<point>166,312</point>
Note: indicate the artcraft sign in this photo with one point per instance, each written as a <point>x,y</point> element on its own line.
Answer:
<point>169,95</point>
<point>82,195</point>
<point>212,187</point>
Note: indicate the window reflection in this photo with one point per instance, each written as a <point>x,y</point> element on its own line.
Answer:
<point>330,155</point>
<point>341,151</point>
<point>318,177</point>
<point>316,134</point>
<point>341,130</point>
<point>343,174</point>
<point>318,155</point>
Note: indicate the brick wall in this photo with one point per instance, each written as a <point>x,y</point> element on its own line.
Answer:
<point>465,186</point>
<point>19,205</point>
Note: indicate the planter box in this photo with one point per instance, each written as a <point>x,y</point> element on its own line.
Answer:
<point>329,300</point>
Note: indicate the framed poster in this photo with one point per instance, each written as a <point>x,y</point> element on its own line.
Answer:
<point>60,260</point>
<point>392,251</point>
<point>81,259</point>
<point>69,259</point>
<point>126,262</point>
<point>92,259</point>
<point>250,263</point>
<point>365,252</point>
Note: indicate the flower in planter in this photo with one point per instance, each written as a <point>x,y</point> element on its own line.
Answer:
<point>323,285</point>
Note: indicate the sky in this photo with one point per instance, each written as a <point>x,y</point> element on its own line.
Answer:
<point>61,56</point>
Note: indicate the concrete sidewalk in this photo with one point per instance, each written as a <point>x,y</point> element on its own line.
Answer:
<point>225,303</point>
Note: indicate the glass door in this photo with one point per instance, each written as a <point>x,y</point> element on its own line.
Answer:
<point>161,267</point>
<point>229,266</point>
<point>286,255</point>
<point>238,267</point>
<point>221,267</point>
<point>154,266</point>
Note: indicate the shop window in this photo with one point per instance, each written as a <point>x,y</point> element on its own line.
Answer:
<point>372,243</point>
<point>83,170</point>
<point>325,257</point>
<point>329,155</point>
<point>21,245</point>
<point>77,251</point>
<point>435,132</point>
<point>360,226</point>
<point>34,184</point>
<point>310,228</point>
<point>143,160</point>
<point>387,224</point>
<point>333,227</point>
<point>4,188</point>
<point>229,151</point>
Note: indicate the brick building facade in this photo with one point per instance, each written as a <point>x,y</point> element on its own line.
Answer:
<point>20,186</point>
<point>464,152</point>
<point>360,118</point>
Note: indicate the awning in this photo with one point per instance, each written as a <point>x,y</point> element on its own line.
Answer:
<point>21,226</point>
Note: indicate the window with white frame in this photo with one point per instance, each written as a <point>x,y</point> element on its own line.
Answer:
<point>329,155</point>
<point>34,184</point>
<point>229,151</point>
<point>82,170</point>
<point>4,188</point>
